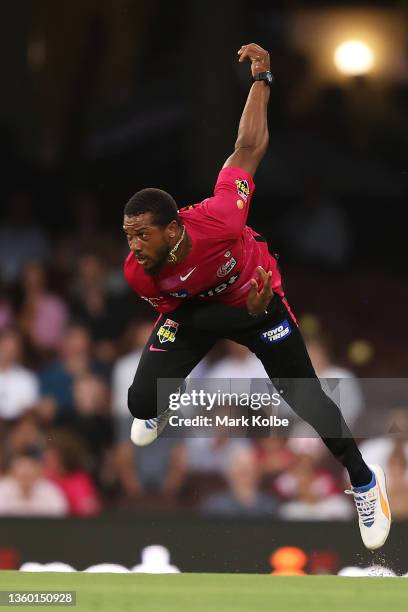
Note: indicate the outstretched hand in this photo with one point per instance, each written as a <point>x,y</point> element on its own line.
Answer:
<point>257,301</point>
<point>259,58</point>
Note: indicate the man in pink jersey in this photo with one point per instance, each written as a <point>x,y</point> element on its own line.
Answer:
<point>210,276</point>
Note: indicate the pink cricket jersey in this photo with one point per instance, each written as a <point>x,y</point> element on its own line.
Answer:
<point>224,255</point>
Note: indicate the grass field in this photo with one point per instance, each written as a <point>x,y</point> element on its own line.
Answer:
<point>218,592</point>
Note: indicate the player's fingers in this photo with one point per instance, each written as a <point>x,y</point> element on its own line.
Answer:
<point>267,289</point>
<point>262,273</point>
<point>243,53</point>
<point>254,287</point>
<point>253,51</point>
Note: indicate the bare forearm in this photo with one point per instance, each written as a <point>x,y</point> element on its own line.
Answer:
<point>253,136</point>
<point>253,126</point>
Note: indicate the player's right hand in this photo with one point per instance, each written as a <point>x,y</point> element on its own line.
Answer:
<point>258,301</point>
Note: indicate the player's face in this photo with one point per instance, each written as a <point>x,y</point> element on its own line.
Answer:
<point>150,243</point>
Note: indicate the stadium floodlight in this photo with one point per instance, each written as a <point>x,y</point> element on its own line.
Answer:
<point>353,58</point>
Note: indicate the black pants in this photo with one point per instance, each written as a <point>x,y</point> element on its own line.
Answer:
<point>174,350</point>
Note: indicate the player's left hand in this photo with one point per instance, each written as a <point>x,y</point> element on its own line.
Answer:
<point>259,58</point>
<point>257,301</point>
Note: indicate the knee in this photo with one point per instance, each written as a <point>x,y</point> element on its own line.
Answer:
<point>141,404</point>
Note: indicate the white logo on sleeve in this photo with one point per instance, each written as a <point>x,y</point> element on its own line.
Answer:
<point>277,333</point>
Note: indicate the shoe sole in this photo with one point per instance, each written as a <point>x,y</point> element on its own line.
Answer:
<point>380,474</point>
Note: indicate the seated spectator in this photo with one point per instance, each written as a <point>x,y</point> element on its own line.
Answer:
<point>243,498</point>
<point>397,481</point>
<point>104,315</point>
<point>125,367</point>
<point>273,456</point>
<point>91,419</point>
<point>25,434</point>
<point>6,310</point>
<point>238,363</point>
<point>158,469</point>
<point>43,315</point>
<point>25,492</point>
<point>18,386</point>
<point>312,492</point>
<point>74,359</point>
<point>21,239</point>
<point>213,455</point>
<point>379,450</point>
<point>65,465</point>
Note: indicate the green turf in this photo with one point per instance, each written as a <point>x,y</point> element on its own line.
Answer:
<point>217,592</point>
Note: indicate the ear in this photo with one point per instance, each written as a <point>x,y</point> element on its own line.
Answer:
<point>172,229</point>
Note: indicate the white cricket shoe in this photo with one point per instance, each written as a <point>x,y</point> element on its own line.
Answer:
<point>144,432</point>
<point>374,515</point>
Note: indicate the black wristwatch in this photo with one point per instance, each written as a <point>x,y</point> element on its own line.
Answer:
<point>267,77</point>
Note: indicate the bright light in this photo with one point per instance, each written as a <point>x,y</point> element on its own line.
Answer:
<point>354,57</point>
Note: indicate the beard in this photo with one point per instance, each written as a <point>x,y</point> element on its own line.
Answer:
<point>160,261</point>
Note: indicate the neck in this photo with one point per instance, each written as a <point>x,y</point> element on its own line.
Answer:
<point>182,246</point>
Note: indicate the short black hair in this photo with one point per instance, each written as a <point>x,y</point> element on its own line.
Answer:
<point>156,201</point>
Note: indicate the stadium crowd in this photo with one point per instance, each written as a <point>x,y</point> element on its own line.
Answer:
<point>71,336</point>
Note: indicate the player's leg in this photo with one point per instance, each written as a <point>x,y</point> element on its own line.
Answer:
<point>277,341</point>
<point>171,352</point>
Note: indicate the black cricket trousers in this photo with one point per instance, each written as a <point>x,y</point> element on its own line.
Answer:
<point>175,348</point>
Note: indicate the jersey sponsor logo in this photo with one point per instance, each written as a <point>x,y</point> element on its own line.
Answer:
<point>277,333</point>
<point>181,293</point>
<point>224,269</point>
<point>220,288</point>
<point>242,188</point>
<point>167,332</point>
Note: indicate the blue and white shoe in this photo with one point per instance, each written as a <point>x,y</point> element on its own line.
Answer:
<point>144,432</point>
<point>373,509</point>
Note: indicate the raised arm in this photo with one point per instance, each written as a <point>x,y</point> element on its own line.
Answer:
<point>253,136</point>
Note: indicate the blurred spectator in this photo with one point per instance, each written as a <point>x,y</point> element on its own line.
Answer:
<point>312,492</point>
<point>103,315</point>
<point>43,315</point>
<point>25,492</point>
<point>125,367</point>
<point>317,230</point>
<point>238,363</point>
<point>347,395</point>
<point>213,455</point>
<point>20,238</point>
<point>158,469</point>
<point>273,456</point>
<point>243,498</point>
<point>25,435</point>
<point>379,450</point>
<point>397,481</point>
<point>65,465</point>
<point>91,418</point>
<point>18,386</point>
<point>74,359</point>
<point>6,310</point>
